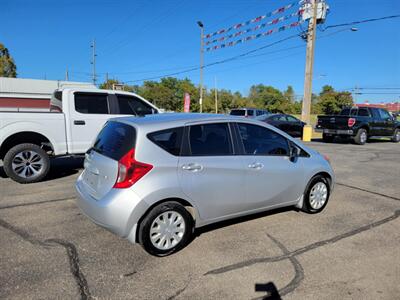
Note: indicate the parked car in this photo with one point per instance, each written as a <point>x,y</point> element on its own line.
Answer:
<point>153,180</point>
<point>248,112</point>
<point>286,123</point>
<point>29,139</point>
<point>359,123</point>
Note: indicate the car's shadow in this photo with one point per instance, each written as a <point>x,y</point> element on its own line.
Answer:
<point>199,231</point>
<point>60,167</point>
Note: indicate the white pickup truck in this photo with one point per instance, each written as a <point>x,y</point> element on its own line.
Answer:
<point>29,139</point>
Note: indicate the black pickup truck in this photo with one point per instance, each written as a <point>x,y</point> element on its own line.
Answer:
<point>359,123</point>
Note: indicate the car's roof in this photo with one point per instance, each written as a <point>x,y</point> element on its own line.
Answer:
<point>178,119</point>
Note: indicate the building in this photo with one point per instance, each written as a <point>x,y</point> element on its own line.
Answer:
<point>17,94</point>
<point>392,106</point>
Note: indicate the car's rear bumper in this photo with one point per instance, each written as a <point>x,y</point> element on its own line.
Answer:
<point>119,210</point>
<point>335,131</point>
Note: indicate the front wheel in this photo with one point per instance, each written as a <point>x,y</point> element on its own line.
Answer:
<point>166,229</point>
<point>316,195</point>
<point>26,163</point>
<point>396,136</point>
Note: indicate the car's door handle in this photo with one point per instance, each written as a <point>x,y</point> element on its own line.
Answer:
<point>256,165</point>
<point>192,167</point>
<point>79,122</point>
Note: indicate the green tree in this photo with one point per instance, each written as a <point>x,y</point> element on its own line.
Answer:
<point>7,65</point>
<point>331,102</point>
<point>108,85</point>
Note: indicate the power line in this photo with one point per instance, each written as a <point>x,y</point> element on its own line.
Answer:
<point>362,21</point>
<point>236,57</point>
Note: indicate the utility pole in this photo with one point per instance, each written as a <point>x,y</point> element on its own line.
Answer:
<point>93,62</point>
<point>201,63</point>
<point>66,75</point>
<point>216,94</point>
<point>306,108</point>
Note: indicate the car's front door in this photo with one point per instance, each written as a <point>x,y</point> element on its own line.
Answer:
<point>272,178</point>
<point>388,122</point>
<point>209,172</point>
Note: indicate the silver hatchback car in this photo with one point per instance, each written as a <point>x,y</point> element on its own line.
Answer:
<point>154,179</point>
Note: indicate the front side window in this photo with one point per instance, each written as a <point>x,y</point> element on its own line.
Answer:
<point>129,105</point>
<point>91,103</point>
<point>170,139</point>
<point>259,140</point>
<point>210,140</point>
<point>292,119</point>
<point>384,114</point>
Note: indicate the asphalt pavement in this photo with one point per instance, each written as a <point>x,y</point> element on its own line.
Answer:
<point>351,250</point>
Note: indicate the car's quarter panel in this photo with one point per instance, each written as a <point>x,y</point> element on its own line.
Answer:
<point>50,125</point>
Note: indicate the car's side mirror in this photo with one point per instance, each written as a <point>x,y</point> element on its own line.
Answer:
<point>294,152</point>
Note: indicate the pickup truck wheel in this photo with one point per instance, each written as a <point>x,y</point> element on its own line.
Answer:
<point>328,138</point>
<point>26,163</point>
<point>361,137</point>
<point>396,136</point>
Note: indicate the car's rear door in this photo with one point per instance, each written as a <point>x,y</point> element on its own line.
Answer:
<point>209,172</point>
<point>272,178</point>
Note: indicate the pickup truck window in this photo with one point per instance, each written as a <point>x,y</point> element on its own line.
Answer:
<point>86,103</point>
<point>129,105</point>
<point>348,112</point>
<point>363,112</point>
<point>384,114</point>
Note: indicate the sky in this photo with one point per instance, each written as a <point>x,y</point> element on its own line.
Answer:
<point>139,39</point>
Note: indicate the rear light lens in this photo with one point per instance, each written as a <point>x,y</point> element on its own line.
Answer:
<point>130,170</point>
<point>351,122</point>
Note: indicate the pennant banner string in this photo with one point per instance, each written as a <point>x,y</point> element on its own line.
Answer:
<point>254,36</point>
<point>263,25</point>
<point>258,19</point>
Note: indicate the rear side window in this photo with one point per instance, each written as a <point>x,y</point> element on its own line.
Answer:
<point>259,140</point>
<point>250,112</point>
<point>56,102</point>
<point>170,139</point>
<point>210,140</point>
<point>129,105</point>
<point>363,112</point>
<point>238,112</point>
<point>115,140</point>
<point>384,114</point>
<point>90,103</point>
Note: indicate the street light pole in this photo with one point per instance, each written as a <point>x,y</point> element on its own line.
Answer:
<point>201,63</point>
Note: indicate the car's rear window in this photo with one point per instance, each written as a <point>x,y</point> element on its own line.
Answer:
<point>115,140</point>
<point>238,112</point>
<point>169,139</point>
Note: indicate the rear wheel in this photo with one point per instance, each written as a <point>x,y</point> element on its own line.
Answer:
<point>26,163</point>
<point>327,138</point>
<point>316,195</point>
<point>396,136</point>
<point>166,229</point>
<point>361,137</point>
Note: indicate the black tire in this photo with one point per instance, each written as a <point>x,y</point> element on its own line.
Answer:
<point>307,204</point>
<point>17,174</point>
<point>396,136</point>
<point>361,137</point>
<point>328,138</point>
<point>146,223</point>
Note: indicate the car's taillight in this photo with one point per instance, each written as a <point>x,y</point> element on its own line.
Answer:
<point>130,170</point>
<point>351,122</point>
